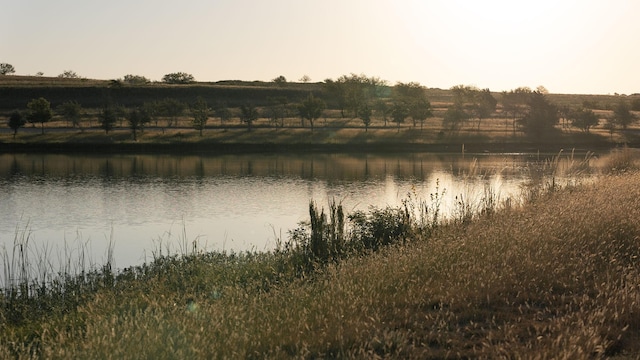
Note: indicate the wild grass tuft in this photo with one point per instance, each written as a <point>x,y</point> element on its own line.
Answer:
<point>619,161</point>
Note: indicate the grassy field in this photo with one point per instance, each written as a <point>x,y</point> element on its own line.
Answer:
<point>554,277</point>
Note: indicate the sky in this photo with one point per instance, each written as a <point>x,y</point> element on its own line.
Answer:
<point>567,46</point>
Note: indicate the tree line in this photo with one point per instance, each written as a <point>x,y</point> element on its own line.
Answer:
<point>355,96</point>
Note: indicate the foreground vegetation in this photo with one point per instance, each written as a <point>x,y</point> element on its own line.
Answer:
<point>557,277</point>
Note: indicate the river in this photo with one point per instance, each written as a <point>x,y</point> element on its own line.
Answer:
<point>64,204</point>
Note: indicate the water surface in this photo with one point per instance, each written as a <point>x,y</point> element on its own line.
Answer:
<point>230,202</point>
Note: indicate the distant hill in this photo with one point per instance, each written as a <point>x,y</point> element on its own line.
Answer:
<point>16,91</point>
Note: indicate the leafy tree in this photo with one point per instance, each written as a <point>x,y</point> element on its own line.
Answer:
<point>414,98</point>
<point>304,79</point>
<point>565,112</point>
<point>39,110</point>
<point>153,110</point>
<point>635,104</point>
<point>108,118</point>
<point>460,94</point>
<point>69,74</point>
<point>6,69</point>
<point>622,115</point>
<point>454,117</point>
<point>311,109</point>
<point>249,114</point>
<point>462,108</point>
<point>280,80</point>
<point>137,119</point>
<point>382,109</point>
<point>277,109</point>
<point>16,121</point>
<point>178,78</point>
<point>351,91</point>
<point>407,92</point>
<point>71,111</point>
<point>542,90</point>
<point>420,110</point>
<point>200,112</point>
<point>222,112</point>
<point>365,115</point>
<point>399,112</point>
<point>610,125</point>
<point>136,79</point>
<point>484,104</point>
<point>172,109</point>
<point>541,117</point>
<point>583,119</point>
<point>335,90</point>
<point>514,103</point>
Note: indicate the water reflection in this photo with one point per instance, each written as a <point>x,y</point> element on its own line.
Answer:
<point>231,202</point>
<point>310,166</point>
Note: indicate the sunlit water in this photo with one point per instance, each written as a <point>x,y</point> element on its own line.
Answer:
<point>144,203</point>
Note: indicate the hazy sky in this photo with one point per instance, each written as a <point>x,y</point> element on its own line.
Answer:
<point>581,46</point>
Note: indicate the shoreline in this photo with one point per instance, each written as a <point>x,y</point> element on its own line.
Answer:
<point>249,148</point>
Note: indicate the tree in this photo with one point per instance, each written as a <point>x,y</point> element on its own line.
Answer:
<point>365,115</point>
<point>16,121</point>
<point>200,112</point>
<point>542,90</point>
<point>39,110</point>
<point>107,118</point>
<point>399,112</point>
<point>610,124</point>
<point>420,110</point>
<point>382,109</point>
<point>565,113</point>
<point>136,79</point>
<point>137,119</point>
<point>172,109</point>
<point>71,111</point>
<point>454,117</point>
<point>414,98</point>
<point>583,119</point>
<point>277,109</point>
<point>541,117</point>
<point>69,74</point>
<point>152,109</point>
<point>484,104</point>
<point>311,108</point>
<point>178,78</point>
<point>280,80</point>
<point>6,69</point>
<point>351,91</point>
<point>622,115</point>
<point>304,79</point>
<point>222,111</point>
<point>514,103</point>
<point>249,114</point>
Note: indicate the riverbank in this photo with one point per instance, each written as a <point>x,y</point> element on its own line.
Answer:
<point>494,286</point>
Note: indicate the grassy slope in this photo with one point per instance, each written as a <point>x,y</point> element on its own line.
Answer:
<point>558,278</point>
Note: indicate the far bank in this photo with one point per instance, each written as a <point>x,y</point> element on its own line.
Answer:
<point>323,139</point>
